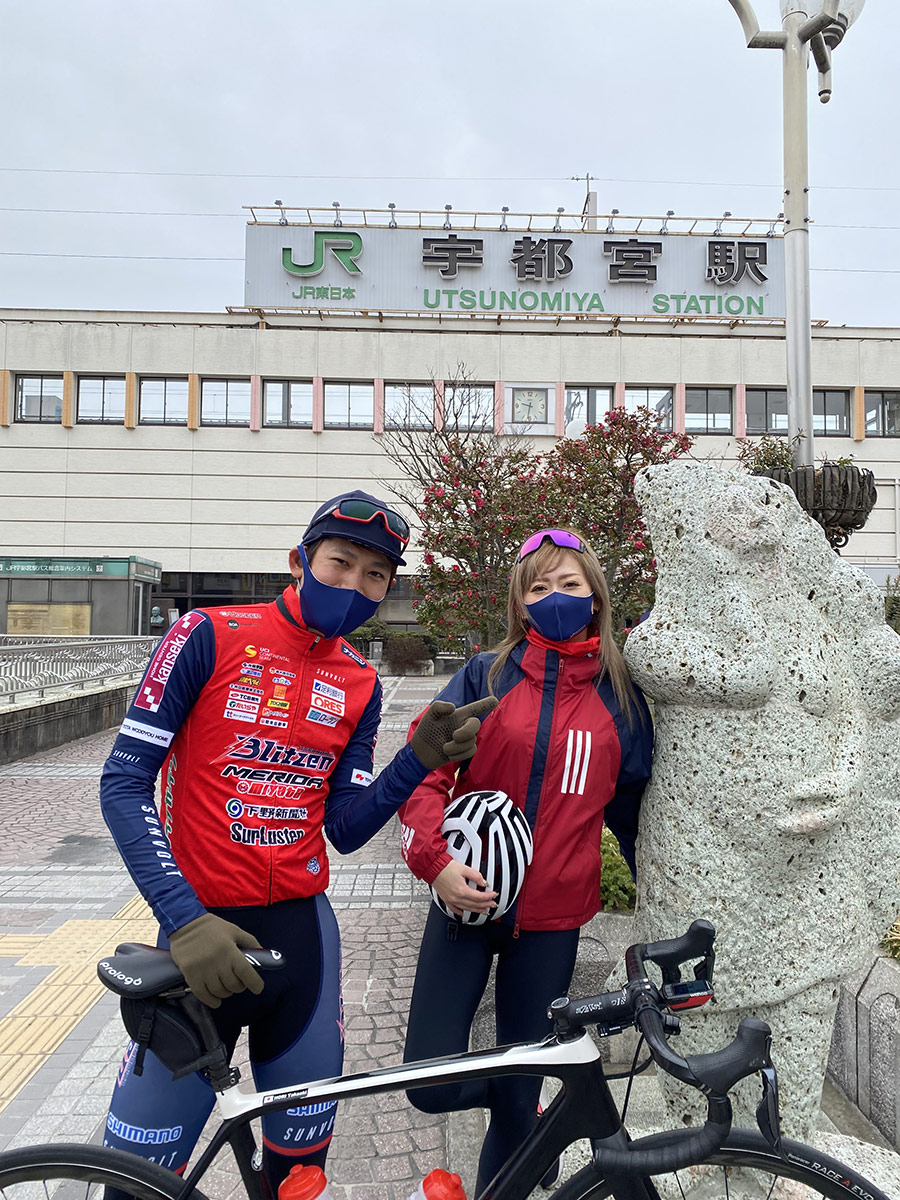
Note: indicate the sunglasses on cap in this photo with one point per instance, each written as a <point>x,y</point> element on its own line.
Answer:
<point>559,537</point>
<point>363,512</point>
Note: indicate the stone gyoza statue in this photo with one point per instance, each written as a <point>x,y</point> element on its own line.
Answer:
<point>772,810</point>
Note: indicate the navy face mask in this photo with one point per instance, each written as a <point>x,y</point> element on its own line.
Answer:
<point>560,614</point>
<point>331,611</point>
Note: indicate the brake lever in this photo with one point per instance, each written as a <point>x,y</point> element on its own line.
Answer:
<point>768,1116</point>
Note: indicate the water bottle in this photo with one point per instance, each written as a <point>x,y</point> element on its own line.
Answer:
<point>439,1185</point>
<point>304,1183</point>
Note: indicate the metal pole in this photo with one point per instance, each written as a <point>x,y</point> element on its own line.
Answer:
<point>798,332</point>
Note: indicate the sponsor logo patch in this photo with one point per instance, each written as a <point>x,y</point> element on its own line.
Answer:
<point>274,721</point>
<point>285,704</point>
<point>252,668</point>
<point>250,682</point>
<point>239,716</point>
<point>282,679</point>
<point>251,652</point>
<point>326,704</point>
<point>363,778</point>
<point>281,671</point>
<point>153,687</point>
<point>146,733</point>
<point>325,689</point>
<point>231,612</point>
<point>241,706</point>
<point>267,750</point>
<point>322,718</point>
<point>241,694</point>
<point>351,653</point>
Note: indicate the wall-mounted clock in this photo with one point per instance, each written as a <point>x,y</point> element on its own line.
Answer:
<point>529,405</point>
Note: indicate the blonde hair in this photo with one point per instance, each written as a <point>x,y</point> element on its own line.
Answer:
<point>609,661</point>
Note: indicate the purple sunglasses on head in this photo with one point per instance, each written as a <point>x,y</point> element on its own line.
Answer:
<point>559,537</point>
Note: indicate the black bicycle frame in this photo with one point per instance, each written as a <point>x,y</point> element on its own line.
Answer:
<point>584,1108</point>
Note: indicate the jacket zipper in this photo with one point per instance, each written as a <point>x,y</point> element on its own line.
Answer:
<point>537,815</point>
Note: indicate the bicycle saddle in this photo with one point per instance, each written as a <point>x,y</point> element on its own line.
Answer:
<point>137,971</point>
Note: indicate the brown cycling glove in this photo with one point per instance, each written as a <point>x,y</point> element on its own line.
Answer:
<point>447,733</point>
<point>207,953</point>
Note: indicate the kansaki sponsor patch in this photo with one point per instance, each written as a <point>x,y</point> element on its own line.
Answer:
<point>153,687</point>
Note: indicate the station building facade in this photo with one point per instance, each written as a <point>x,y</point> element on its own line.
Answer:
<point>204,441</point>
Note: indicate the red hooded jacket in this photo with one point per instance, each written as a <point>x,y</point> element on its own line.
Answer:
<point>560,746</point>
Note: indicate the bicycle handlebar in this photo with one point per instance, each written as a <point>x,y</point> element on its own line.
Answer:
<point>642,1003</point>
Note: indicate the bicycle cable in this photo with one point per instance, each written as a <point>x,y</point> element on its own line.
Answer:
<point>631,1075</point>
<point>632,1070</point>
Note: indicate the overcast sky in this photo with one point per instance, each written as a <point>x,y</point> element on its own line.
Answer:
<point>133,133</point>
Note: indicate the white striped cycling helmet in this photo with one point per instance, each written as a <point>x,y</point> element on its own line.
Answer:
<point>486,831</point>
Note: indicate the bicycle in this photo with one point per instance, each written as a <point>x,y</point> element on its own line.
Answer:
<point>697,1159</point>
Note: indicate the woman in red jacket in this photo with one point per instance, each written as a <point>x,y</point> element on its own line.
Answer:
<point>570,743</point>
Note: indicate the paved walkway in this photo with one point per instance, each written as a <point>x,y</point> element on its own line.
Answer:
<point>66,899</point>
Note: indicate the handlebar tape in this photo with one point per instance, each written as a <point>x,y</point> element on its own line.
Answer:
<point>664,1152</point>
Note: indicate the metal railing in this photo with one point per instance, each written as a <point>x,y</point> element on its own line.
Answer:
<point>34,666</point>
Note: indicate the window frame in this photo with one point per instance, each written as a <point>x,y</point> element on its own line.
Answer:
<point>165,380</point>
<point>591,389</point>
<point>669,419</point>
<point>243,380</point>
<point>286,386</point>
<point>349,423</point>
<point>408,387</point>
<point>40,419</point>
<point>707,432</point>
<point>469,425</point>
<point>882,393</point>
<point>817,431</point>
<point>103,419</point>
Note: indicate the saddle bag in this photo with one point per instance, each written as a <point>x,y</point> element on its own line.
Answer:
<point>163,1025</point>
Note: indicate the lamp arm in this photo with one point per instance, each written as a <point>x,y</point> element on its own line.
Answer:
<point>756,38</point>
<point>820,22</point>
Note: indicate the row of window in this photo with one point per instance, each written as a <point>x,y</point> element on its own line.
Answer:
<point>286,402</point>
<point>289,403</point>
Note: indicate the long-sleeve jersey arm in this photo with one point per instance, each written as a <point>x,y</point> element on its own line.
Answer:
<point>423,845</point>
<point>181,665</point>
<point>359,805</point>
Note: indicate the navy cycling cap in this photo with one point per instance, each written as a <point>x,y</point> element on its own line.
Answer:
<point>361,518</point>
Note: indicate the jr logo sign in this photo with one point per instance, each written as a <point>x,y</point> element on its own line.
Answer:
<point>346,248</point>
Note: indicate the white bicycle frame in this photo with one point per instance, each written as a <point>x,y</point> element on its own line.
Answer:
<point>516,1059</point>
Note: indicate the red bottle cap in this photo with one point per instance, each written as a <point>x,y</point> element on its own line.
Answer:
<point>443,1185</point>
<point>303,1183</point>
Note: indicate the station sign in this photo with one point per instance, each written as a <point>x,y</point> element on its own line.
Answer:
<point>510,273</point>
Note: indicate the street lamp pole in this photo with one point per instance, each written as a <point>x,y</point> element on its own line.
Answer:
<point>818,25</point>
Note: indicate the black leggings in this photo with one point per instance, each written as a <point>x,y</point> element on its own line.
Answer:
<point>532,969</point>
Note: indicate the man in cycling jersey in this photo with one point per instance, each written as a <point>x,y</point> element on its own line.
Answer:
<point>262,722</point>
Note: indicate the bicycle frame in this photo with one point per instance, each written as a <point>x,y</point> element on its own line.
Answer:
<point>584,1108</point>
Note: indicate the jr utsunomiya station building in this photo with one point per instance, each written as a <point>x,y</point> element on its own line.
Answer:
<point>202,442</point>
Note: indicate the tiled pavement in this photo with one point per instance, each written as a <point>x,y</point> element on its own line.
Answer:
<point>65,899</point>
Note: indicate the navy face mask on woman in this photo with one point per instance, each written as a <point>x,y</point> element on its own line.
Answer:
<point>560,614</point>
<point>331,611</point>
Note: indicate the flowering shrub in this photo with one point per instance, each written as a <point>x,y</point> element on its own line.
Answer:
<point>588,482</point>
<point>479,495</point>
